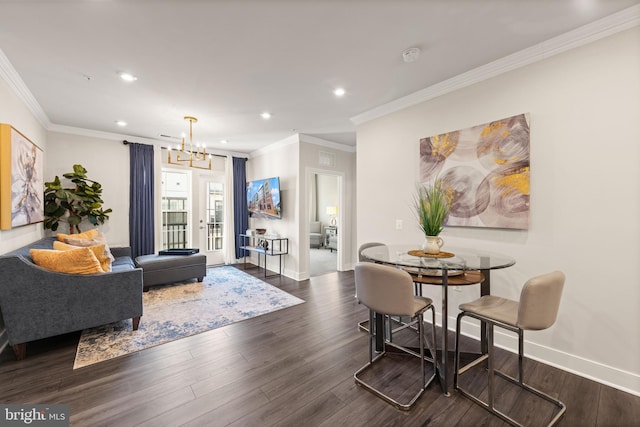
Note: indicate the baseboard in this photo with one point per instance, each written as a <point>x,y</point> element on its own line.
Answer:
<point>628,382</point>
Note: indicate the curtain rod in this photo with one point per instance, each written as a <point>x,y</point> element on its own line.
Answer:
<point>125,142</point>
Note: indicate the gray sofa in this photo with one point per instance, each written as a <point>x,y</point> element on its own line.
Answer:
<point>37,303</point>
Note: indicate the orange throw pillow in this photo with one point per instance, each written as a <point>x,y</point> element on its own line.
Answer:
<point>86,235</point>
<point>98,239</point>
<point>75,261</point>
<point>98,250</point>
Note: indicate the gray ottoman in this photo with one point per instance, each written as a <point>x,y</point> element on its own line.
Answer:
<point>160,269</point>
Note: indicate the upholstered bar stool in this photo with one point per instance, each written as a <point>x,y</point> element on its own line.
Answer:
<point>388,291</point>
<point>364,325</point>
<point>536,310</point>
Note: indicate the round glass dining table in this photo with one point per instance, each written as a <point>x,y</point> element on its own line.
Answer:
<point>455,266</point>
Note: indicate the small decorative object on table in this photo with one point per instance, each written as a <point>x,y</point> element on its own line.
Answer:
<point>424,254</point>
<point>432,205</point>
<point>263,243</point>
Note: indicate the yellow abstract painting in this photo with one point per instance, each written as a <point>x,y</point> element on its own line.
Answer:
<point>486,169</point>
<point>21,180</point>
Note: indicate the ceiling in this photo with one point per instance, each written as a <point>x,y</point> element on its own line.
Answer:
<point>226,62</point>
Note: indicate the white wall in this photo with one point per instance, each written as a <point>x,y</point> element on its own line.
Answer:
<point>281,160</point>
<point>106,161</point>
<point>15,113</point>
<point>585,151</point>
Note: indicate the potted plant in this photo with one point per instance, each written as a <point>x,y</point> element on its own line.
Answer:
<point>432,204</point>
<point>74,204</point>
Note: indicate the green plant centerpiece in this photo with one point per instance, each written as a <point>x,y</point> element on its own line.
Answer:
<point>432,203</point>
<point>83,200</point>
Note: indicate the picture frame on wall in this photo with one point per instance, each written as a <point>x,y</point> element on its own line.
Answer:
<point>486,171</point>
<point>21,179</point>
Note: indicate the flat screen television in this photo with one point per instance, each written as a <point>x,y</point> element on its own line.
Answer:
<point>263,198</point>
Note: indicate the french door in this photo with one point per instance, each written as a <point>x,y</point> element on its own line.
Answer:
<point>176,209</point>
<point>211,221</point>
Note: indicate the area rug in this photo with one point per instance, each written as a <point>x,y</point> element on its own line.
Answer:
<point>226,295</point>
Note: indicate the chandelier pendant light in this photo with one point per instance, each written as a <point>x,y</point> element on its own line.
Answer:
<point>195,158</point>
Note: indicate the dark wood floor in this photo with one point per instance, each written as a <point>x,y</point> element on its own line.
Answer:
<point>293,367</point>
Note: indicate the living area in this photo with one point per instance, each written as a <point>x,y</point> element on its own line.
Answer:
<point>294,363</point>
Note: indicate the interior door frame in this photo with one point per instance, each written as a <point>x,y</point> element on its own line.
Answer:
<point>341,218</point>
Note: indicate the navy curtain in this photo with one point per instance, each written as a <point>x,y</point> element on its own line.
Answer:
<point>141,212</point>
<point>240,210</point>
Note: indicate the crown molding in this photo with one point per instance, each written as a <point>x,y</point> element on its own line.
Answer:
<point>325,143</point>
<point>612,24</point>
<point>16,84</point>
<point>97,133</point>
<point>292,139</point>
<point>70,130</point>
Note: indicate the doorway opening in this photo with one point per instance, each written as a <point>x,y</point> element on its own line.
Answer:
<point>324,229</point>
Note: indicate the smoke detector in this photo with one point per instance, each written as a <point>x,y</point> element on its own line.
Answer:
<point>411,54</point>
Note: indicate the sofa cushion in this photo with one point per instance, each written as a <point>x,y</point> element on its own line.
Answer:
<point>100,251</point>
<point>123,263</point>
<point>75,261</point>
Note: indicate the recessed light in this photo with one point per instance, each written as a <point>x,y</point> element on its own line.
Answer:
<point>223,141</point>
<point>266,115</point>
<point>128,77</point>
<point>339,92</point>
<point>121,123</point>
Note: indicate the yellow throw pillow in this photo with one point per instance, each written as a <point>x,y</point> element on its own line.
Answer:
<point>75,261</point>
<point>98,239</point>
<point>86,235</point>
<point>98,250</point>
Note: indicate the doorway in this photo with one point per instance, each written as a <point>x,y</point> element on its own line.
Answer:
<point>176,209</point>
<point>211,219</point>
<point>324,206</point>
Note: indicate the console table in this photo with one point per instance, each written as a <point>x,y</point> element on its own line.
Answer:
<point>274,246</point>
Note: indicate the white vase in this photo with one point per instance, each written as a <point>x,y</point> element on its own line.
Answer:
<point>432,244</point>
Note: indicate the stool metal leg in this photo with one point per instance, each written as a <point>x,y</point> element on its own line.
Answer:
<point>372,359</point>
<point>490,404</point>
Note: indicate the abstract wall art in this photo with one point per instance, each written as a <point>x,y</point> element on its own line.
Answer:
<point>486,171</point>
<point>21,180</point>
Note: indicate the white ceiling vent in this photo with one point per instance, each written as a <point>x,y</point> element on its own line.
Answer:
<point>327,159</point>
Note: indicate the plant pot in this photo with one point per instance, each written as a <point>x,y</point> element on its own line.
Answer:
<point>432,244</point>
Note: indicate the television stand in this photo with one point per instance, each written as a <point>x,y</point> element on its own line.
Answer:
<point>274,247</point>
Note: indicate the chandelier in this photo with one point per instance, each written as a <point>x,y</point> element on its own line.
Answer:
<point>195,158</point>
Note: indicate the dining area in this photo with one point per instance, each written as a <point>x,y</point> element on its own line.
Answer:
<point>392,281</point>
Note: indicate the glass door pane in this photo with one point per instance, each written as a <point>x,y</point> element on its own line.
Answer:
<point>175,209</point>
<point>212,219</point>
<point>215,216</point>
